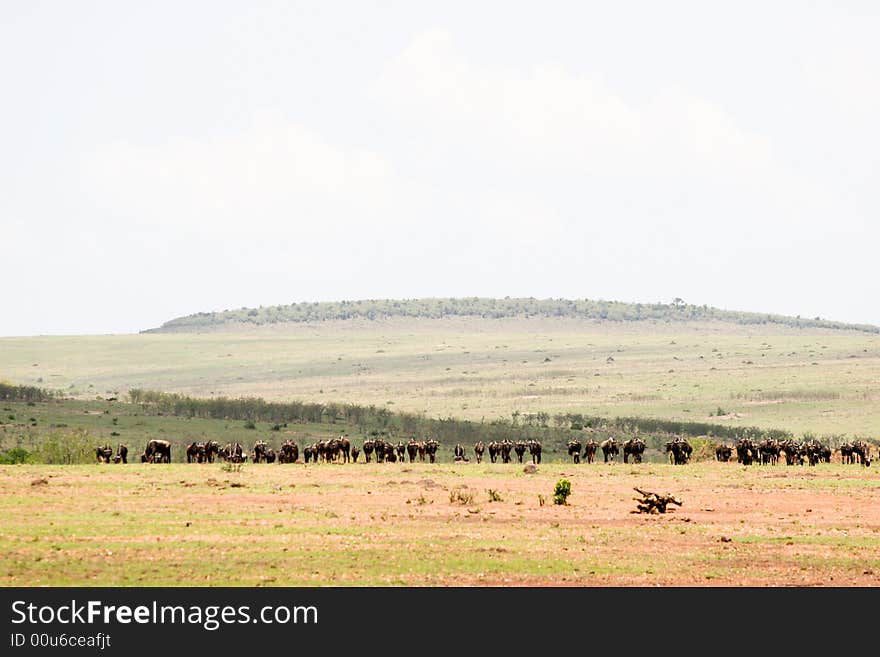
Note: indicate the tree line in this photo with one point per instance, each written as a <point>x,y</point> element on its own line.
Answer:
<point>10,392</point>
<point>488,308</point>
<point>554,432</point>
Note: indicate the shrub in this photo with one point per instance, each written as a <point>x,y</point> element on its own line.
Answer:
<point>562,491</point>
<point>66,447</point>
<point>461,496</point>
<point>494,495</point>
<point>15,455</point>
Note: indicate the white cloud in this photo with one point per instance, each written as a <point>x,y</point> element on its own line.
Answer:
<point>546,116</point>
<point>277,176</point>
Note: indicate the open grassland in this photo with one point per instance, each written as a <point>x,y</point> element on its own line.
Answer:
<point>804,380</point>
<point>434,525</point>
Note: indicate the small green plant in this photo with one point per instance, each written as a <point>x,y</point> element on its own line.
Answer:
<point>541,500</point>
<point>231,467</point>
<point>494,495</point>
<point>562,491</point>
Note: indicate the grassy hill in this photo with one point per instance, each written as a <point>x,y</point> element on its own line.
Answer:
<point>807,379</point>
<point>486,308</point>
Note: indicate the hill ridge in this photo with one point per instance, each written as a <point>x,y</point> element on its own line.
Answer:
<point>487,308</point>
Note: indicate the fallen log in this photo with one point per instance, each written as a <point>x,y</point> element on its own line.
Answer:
<point>652,502</point>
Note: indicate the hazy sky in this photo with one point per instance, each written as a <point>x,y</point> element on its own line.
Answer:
<point>164,158</point>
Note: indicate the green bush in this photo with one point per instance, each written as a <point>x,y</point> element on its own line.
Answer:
<point>562,491</point>
<point>15,455</point>
<point>61,447</point>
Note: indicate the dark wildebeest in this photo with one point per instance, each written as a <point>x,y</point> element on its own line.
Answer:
<point>195,453</point>
<point>723,452</point>
<point>634,447</point>
<point>310,453</point>
<point>610,449</point>
<point>494,450</point>
<point>506,446</point>
<point>260,449</point>
<point>590,450</point>
<point>574,450</point>
<point>679,451</point>
<point>269,455</point>
<point>479,448</point>
<point>212,450</point>
<point>862,452</point>
<point>768,451</point>
<point>520,448</point>
<point>401,452</point>
<point>431,447</point>
<point>746,451</point>
<point>345,448</point>
<point>157,451</point>
<point>104,453</point>
<point>535,449</point>
<point>412,449</point>
<point>121,454</point>
<point>458,453</point>
<point>289,452</point>
<point>354,453</point>
<point>368,447</point>
<point>233,453</point>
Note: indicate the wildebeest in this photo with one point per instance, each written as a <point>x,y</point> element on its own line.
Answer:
<point>260,450</point>
<point>679,451</point>
<point>746,450</point>
<point>104,453</point>
<point>431,447</point>
<point>355,452</point>
<point>212,450</point>
<point>195,453</point>
<point>233,453</point>
<point>590,450</point>
<point>861,451</point>
<point>519,448</point>
<point>401,452</point>
<point>368,447</point>
<point>535,449</point>
<point>345,448</point>
<point>574,449</point>
<point>634,447</point>
<point>157,451</point>
<point>494,450</point>
<point>610,449</point>
<point>121,454</point>
<point>723,452</point>
<point>458,453</point>
<point>289,452</point>
<point>412,449</point>
<point>479,448</point>
<point>768,451</point>
<point>506,446</point>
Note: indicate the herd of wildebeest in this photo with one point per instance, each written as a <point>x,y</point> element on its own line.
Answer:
<point>747,451</point>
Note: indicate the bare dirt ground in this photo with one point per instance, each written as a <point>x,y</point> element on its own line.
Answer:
<point>436,525</point>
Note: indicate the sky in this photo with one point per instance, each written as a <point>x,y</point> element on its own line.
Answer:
<point>159,159</point>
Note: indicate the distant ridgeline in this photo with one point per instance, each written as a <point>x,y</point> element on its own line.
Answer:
<point>435,308</point>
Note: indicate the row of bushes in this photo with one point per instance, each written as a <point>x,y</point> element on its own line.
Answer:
<point>373,420</point>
